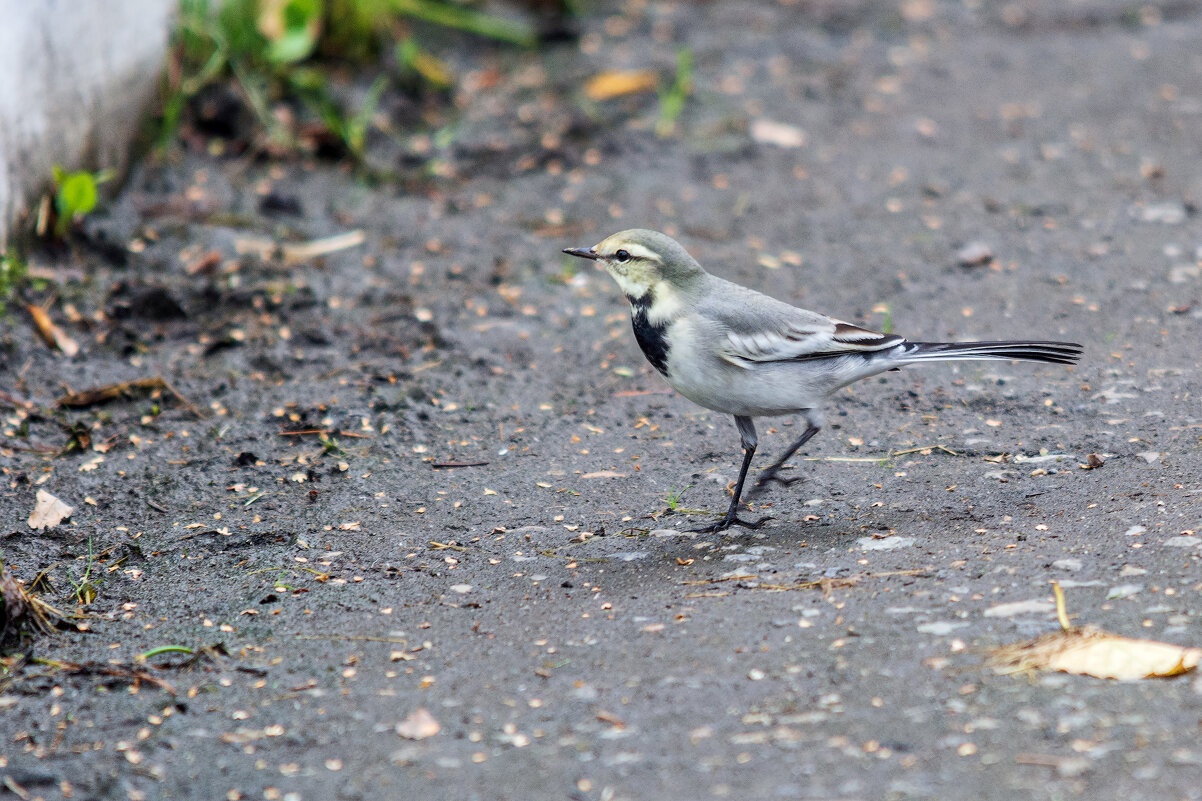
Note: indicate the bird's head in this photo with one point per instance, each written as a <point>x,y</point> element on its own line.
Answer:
<point>643,262</point>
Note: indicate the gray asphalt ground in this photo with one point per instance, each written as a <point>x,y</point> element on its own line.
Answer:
<point>545,608</point>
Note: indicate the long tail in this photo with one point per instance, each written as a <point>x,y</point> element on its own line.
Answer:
<point>1030,351</point>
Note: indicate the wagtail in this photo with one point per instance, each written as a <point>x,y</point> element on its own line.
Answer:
<point>736,351</point>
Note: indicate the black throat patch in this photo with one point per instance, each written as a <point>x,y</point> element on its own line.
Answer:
<point>650,337</point>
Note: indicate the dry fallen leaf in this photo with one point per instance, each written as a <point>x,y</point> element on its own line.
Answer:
<point>617,83</point>
<point>418,726</point>
<point>54,336</point>
<point>48,511</point>
<point>1090,651</point>
<point>1100,653</point>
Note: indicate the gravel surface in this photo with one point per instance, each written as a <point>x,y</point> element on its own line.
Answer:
<point>484,531</point>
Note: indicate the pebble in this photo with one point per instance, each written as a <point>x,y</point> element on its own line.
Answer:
<point>886,544</point>
<point>1184,273</point>
<point>585,692</point>
<point>783,135</point>
<point>1068,564</point>
<point>1149,456</point>
<point>1168,213</point>
<point>1020,608</point>
<point>940,627</point>
<point>974,254</point>
<point>1071,767</point>
<point>630,556</point>
<point>1183,541</point>
<point>1135,531</point>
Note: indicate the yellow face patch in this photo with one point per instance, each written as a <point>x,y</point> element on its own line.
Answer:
<point>634,277</point>
<point>635,267</point>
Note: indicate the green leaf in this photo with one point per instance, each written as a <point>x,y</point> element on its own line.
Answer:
<point>77,194</point>
<point>298,23</point>
<point>293,46</point>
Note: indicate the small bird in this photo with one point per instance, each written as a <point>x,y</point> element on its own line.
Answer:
<point>733,350</point>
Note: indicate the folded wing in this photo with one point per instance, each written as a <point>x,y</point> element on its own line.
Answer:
<point>755,328</point>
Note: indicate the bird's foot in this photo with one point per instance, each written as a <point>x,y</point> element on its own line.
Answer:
<point>731,519</point>
<point>784,482</point>
<point>769,476</point>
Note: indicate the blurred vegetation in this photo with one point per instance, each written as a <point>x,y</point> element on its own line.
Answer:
<point>273,51</point>
<point>75,196</point>
<point>13,272</point>
<point>672,99</point>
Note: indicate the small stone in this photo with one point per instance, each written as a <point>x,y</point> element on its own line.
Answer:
<point>940,627</point>
<point>1149,456</point>
<point>770,132</point>
<point>1185,273</point>
<point>1183,541</point>
<point>1135,531</point>
<point>1020,608</point>
<point>418,726</point>
<point>1068,564</point>
<point>585,692</point>
<point>1167,213</point>
<point>1071,767</point>
<point>974,254</point>
<point>885,544</point>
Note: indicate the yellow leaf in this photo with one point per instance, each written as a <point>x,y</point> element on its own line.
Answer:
<point>1109,656</point>
<point>618,83</point>
<point>1091,651</point>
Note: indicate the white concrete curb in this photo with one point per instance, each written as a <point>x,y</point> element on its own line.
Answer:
<point>75,80</point>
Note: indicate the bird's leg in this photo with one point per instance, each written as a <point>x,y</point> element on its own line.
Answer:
<point>750,440</point>
<point>770,474</point>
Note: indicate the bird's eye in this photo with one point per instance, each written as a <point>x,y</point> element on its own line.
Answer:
<point>622,256</point>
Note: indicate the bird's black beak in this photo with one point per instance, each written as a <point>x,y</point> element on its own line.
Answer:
<point>584,253</point>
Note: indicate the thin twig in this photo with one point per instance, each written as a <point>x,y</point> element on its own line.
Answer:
<point>924,448</point>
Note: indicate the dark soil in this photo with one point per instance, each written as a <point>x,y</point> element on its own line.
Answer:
<point>482,529</point>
